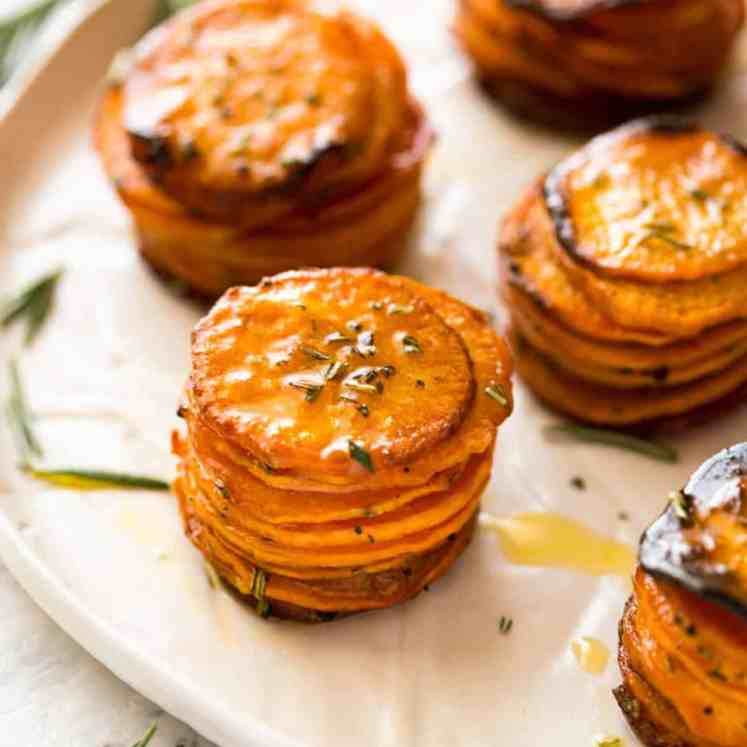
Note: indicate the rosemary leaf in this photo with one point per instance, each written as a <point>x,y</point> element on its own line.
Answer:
<point>498,393</point>
<point>145,740</point>
<point>360,455</point>
<point>83,479</point>
<point>33,304</point>
<point>653,449</point>
<point>411,345</point>
<point>314,353</point>
<point>667,239</point>
<point>21,419</point>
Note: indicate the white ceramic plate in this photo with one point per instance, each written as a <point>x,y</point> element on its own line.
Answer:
<point>113,568</point>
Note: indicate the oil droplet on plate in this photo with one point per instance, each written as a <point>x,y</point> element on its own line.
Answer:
<point>592,655</point>
<point>554,541</point>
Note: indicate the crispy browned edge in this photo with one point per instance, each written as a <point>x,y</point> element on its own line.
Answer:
<point>554,185</point>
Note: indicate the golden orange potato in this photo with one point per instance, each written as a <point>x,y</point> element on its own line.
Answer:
<point>626,294</point>
<point>340,430</point>
<point>683,636</point>
<point>203,213</point>
<point>588,63</point>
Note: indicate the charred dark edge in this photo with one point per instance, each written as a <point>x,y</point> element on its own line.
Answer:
<point>553,187</point>
<point>655,554</point>
<point>537,7</point>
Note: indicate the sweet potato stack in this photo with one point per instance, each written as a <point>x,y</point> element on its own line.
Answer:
<point>625,274</point>
<point>683,636</point>
<point>593,62</point>
<point>254,136</point>
<point>340,431</point>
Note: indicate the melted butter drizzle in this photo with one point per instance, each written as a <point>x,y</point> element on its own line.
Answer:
<point>591,654</point>
<point>554,541</point>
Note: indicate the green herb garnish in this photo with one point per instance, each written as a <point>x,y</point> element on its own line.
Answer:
<point>32,304</point>
<point>20,417</point>
<point>336,337</point>
<point>314,353</point>
<point>311,389</point>
<point>359,386</point>
<point>259,584</point>
<point>587,434</point>
<point>667,239</point>
<point>395,308</point>
<point>664,226</point>
<point>360,455</point>
<point>680,505</point>
<point>83,479</point>
<point>411,345</point>
<point>334,370</point>
<point>603,741</point>
<point>505,624</point>
<point>498,393</point>
<point>700,195</point>
<point>145,740</point>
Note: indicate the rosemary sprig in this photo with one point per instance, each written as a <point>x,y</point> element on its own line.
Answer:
<point>360,455</point>
<point>33,304</point>
<point>84,479</point>
<point>653,449</point>
<point>144,741</point>
<point>20,418</point>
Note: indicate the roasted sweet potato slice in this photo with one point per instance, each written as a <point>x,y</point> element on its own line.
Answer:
<point>241,108</point>
<point>658,200</point>
<point>605,405</point>
<point>683,637</point>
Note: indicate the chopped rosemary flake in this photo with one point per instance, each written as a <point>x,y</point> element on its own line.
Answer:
<point>680,505</point>
<point>313,99</point>
<point>376,305</point>
<point>334,370</point>
<point>505,624</point>
<point>259,584</point>
<point>359,386</point>
<point>33,304</point>
<point>366,375</point>
<point>300,305</point>
<point>667,239</point>
<point>312,389</point>
<point>653,449</point>
<point>83,479</point>
<point>395,308</point>
<point>498,393</point>
<point>700,195</point>
<point>362,409</point>
<point>144,741</point>
<point>314,353</point>
<point>220,486</point>
<point>387,371</point>
<point>578,482</point>
<point>411,345</point>
<point>336,337</point>
<point>664,226</point>
<point>20,417</point>
<point>360,455</point>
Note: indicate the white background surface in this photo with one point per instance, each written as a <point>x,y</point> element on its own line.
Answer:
<point>114,569</point>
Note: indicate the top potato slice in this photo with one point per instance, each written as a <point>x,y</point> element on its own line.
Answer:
<point>657,200</point>
<point>236,107</point>
<point>330,372</point>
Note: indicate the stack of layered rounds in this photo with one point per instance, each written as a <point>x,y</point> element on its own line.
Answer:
<point>625,274</point>
<point>254,136</point>
<point>593,62</point>
<point>683,636</point>
<point>340,431</point>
